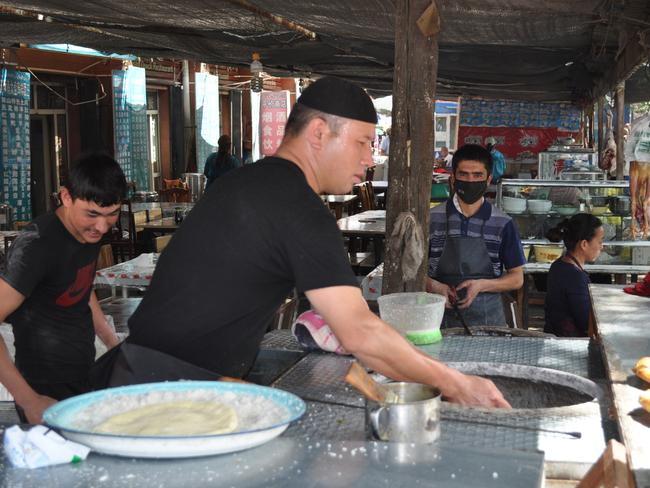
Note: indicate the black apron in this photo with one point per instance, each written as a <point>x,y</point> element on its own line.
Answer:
<point>131,364</point>
<point>467,258</point>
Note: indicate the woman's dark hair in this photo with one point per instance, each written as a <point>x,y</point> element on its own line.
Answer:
<point>224,144</point>
<point>580,227</point>
<point>97,178</point>
<point>472,152</point>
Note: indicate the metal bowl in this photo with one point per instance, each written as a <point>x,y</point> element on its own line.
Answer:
<point>565,210</point>
<point>620,205</point>
<point>598,201</point>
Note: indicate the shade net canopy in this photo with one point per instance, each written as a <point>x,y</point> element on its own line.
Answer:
<point>519,49</point>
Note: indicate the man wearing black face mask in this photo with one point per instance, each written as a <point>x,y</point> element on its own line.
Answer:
<point>474,249</point>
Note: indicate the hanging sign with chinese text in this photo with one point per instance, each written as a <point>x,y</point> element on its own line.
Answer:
<point>274,110</point>
<point>130,125</point>
<point>15,166</point>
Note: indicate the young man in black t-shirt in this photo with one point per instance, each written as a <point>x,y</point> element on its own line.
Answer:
<point>258,233</point>
<point>46,290</point>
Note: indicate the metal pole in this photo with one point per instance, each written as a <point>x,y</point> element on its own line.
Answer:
<point>187,113</point>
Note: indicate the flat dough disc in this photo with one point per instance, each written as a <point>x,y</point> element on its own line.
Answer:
<point>180,418</point>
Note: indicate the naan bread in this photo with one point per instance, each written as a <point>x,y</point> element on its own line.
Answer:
<point>642,368</point>
<point>644,400</point>
<point>179,418</point>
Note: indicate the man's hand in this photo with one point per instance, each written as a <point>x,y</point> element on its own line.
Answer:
<point>473,288</point>
<point>473,391</point>
<point>35,407</point>
<point>447,291</point>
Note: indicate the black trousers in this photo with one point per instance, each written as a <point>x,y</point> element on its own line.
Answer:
<point>131,364</point>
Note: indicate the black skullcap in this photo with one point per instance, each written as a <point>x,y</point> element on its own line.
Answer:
<point>335,96</point>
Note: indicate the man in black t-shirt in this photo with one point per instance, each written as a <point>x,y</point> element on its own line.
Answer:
<point>261,231</point>
<point>46,290</point>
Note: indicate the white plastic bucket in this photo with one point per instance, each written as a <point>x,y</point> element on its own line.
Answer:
<point>416,315</point>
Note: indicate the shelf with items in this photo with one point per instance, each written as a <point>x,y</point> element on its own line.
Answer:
<point>606,200</point>
<point>566,163</point>
<point>558,199</point>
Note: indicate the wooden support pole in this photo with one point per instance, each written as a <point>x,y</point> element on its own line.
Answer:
<point>411,149</point>
<point>601,118</point>
<point>620,123</point>
<point>611,470</point>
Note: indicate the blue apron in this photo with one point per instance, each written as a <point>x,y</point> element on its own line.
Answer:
<point>467,258</point>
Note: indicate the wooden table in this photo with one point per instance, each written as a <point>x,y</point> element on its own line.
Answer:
<point>167,208</point>
<point>340,202</point>
<point>165,225</point>
<point>369,224</point>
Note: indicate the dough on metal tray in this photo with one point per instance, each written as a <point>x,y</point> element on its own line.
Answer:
<point>178,418</point>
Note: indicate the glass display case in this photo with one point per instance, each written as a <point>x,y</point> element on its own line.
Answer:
<point>538,205</point>
<point>569,163</point>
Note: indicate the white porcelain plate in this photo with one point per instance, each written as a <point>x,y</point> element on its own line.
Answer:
<point>70,418</point>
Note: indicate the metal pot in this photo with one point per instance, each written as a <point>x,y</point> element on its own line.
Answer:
<point>619,205</point>
<point>196,184</point>
<point>416,418</point>
<point>598,201</point>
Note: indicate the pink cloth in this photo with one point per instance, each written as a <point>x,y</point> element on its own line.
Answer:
<point>313,333</point>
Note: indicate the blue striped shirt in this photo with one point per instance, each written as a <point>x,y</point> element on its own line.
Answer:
<point>500,234</point>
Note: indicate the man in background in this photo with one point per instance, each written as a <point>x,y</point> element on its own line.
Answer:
<point>444,161</point>
<point>474,248</point>
<point>384,148</point>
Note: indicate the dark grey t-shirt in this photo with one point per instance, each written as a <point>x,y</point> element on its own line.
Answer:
<point>259,232</point>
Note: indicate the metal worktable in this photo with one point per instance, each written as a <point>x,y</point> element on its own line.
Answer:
<point>328,446</point>
<point>622,323</point>
<point>288,462</point>
<point>335,410</point>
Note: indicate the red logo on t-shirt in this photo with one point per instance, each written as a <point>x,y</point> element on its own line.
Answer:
<point>78,289</point>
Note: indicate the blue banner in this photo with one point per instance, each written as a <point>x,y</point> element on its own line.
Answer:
<point>131,126</point>
<point>510,113</point>
<point>15,157</point>
<point>445,108</point>
<point>208,130</point>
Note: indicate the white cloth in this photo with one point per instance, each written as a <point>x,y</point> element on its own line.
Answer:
<point>407,240</point>
<point>40,446</point>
